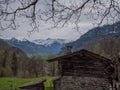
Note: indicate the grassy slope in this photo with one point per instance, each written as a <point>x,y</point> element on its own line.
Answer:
<point>5,84</point>
<point>42,56</point>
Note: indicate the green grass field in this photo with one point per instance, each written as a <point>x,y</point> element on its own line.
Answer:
<point>16,82</point>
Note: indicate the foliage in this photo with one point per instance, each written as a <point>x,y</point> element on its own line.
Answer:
<point>107,47</point>
<point>41,66</point>
<point>42,56</point>
<point>15,63</point>
<point>11,58</point>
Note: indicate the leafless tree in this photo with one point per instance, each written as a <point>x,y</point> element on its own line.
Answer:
<point>60,12</point>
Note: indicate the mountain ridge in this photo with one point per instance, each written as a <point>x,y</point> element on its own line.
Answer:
<point>95,34</point>
<point>33,48</point>
<point>53,46</point>
<point>10,58</point>
<point>49,41</point>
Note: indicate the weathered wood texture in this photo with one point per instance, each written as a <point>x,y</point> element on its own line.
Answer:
<point>39,85</point>
<point>86,67</point>
<point>84,70</point>
<point>85,63</point>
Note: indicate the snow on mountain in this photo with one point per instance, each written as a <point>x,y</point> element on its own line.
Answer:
<point>45,42</point>
<point>96,34</point>
<point>50,41</point>
<point>4,37</point>
<point>18,39</point>
<point>47,46</point>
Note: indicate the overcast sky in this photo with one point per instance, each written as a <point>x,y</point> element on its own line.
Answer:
<point>44,32</point>
<point>56,33</point>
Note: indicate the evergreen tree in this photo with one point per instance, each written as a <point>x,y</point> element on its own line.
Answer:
<point>4,61</point>
<point>5,54</point>
<point>14,65</point>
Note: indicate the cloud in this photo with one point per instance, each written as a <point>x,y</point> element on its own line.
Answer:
<point>44,33</point>
<point>62,33</point>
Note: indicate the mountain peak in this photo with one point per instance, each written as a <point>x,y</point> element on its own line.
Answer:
<point>49,41</point>
<point>49,45</point>
<point>95,34</point>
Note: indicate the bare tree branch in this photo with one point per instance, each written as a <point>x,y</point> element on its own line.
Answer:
<point>59,12</point>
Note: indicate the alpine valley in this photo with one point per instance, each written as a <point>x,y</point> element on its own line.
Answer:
<point>53,46</point>
<point>48,46</point>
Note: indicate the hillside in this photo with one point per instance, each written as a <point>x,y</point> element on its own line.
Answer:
<point>95,34</point>
<point>53,46</point>
<point>15,63</point>
<point>48,46</point>
<point>108,47</point>
<point>12,60</point>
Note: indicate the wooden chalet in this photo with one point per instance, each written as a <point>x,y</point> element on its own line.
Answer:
<point>84,70</point>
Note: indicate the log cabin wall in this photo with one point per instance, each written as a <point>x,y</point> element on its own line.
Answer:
<point>84,74</point>
<point>84,70</point>
<point>86,67</point>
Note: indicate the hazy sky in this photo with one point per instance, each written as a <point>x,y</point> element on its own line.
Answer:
<point>44,32</point>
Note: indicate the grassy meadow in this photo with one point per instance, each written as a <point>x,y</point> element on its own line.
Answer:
<point>16,82</point>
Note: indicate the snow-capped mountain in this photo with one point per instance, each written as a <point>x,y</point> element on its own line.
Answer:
<point>54,46</point>
<point>38,46</point>
<point>95,34</point>
<point>49,41</point>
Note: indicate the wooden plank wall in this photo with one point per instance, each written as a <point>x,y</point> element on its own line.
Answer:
<point>85,68</point>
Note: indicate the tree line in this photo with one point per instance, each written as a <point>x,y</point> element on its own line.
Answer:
<point>15,65</point>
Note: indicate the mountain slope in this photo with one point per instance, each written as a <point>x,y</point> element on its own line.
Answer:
<point>49,41</point>
<point>37,46</point>
<point>53,46</point>
<point>106,31</point>
<point>12,59</point>
<point>108,47</point>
